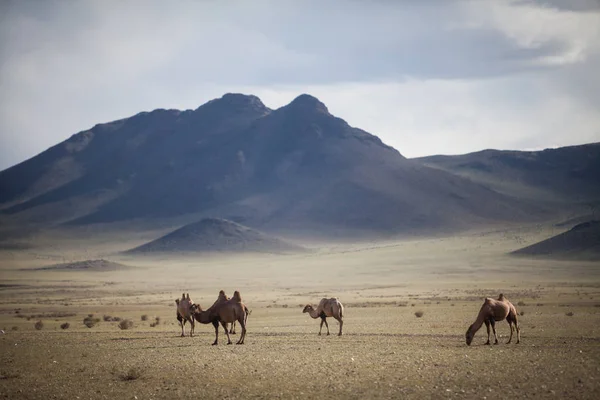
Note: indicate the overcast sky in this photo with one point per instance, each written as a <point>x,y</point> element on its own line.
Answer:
<point>427,76</point>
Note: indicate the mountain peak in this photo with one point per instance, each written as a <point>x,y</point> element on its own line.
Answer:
<point>308,102</point>
<point>238,101</point>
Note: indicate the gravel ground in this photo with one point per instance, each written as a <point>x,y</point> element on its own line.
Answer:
<point>386,352</point>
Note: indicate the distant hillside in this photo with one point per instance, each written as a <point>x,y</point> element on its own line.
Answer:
<point>216,235</point>
<point>87,265</point>
<point>580,242</point>
<point>563,174</point>
<point>294,169</point>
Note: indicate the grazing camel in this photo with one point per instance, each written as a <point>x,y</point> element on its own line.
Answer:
<point>224,312</point>
<point>327,308</point>
<point>492,311</point>
<point>184,313</point>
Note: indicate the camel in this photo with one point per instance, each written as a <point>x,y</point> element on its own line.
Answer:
<point>492,311</point>
<point>184,313</point>
<point>224,312</point>
<point>222,298</point>
<point>327,308</point>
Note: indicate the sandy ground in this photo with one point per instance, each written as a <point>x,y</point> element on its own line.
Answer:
<point>386,350</point>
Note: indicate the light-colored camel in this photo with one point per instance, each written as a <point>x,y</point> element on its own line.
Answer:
<point>492,311</point>
<point>327,308</point>
<point>184,313</point>
<point>224,312</point>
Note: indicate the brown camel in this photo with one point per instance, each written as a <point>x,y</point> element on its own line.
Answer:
<point>224,312</point>
<point>184,313</point>
<point>222,298</point>
<point>327,308</point>
<point>492,311</point>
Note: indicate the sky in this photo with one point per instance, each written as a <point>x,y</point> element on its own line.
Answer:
<point>426,76</point>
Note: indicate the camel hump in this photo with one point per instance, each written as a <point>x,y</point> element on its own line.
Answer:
<point>237,296</point>
<point>177,301</point>
<point>488,300</point>
<point>501,297</point>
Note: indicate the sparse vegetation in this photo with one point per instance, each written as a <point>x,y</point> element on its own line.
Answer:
<point>419,314</point>
<point>125,324</point>
<point>107,318</point>
<point>90,321</point>
<point>15,328</point>
<point>521,303</point>
<point>144,317</point>
<point>66,325</point>
<point>130,374</point>
<point>39,325</point>
<point>522,313</point>
<point>570,314</point>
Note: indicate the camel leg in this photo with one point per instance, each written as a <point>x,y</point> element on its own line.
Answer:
<point>232,330</point>
<point>510,324</point>
<point>182,328</point>
<point>216,325</point>
<point>493,323</point>
<point>192,327</point>
<point>327,325</point>
<point>518,330</point>
<point>242,322</point>
<point>487,325</point>
<point>341,323</point>
<point>224,324</point>
<point>321,327</point>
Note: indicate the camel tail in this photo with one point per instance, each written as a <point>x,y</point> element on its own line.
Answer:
<point>341,308</point>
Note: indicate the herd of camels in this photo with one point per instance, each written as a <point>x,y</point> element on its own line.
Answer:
<point>227,310</point>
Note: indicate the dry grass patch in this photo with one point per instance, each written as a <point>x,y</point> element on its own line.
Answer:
<point>90,321</point>
<point>130,374</point>
<point>125,324</point>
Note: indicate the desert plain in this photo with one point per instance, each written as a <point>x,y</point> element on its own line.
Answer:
<point>386,351</point>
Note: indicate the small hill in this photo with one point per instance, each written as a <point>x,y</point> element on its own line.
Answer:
<point>86,265</point>
<point>580,242</point>
<point>216,235</point>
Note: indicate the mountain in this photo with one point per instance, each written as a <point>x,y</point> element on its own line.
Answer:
<point>566,174</point>
<point>294,169</point>
<point>216,235</point>
<point>580,242</point>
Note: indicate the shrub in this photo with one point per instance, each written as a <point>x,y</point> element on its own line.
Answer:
<point>66,325</point>
<point>522,313</point>
<point>116,319</point>
<point>144,317</point>
<point>570,314</point>
<point>521,304</point>
<point>39,325</point>
<point>90,321</point>
<point>107,318</point>
<point>15,328</point>
<point>125,324</point>
<point>131,374</point>
<point>419,314</point>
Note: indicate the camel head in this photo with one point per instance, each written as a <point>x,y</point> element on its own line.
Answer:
<point>195,308</point>
<point>308,308</point>
<point>469,335</point>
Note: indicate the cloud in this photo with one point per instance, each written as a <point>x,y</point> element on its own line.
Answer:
<point>428,77</point>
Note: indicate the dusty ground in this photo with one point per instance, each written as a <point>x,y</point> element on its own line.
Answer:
<point>386,351</point>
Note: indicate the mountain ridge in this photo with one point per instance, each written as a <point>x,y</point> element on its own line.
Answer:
<point>295,167</point>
